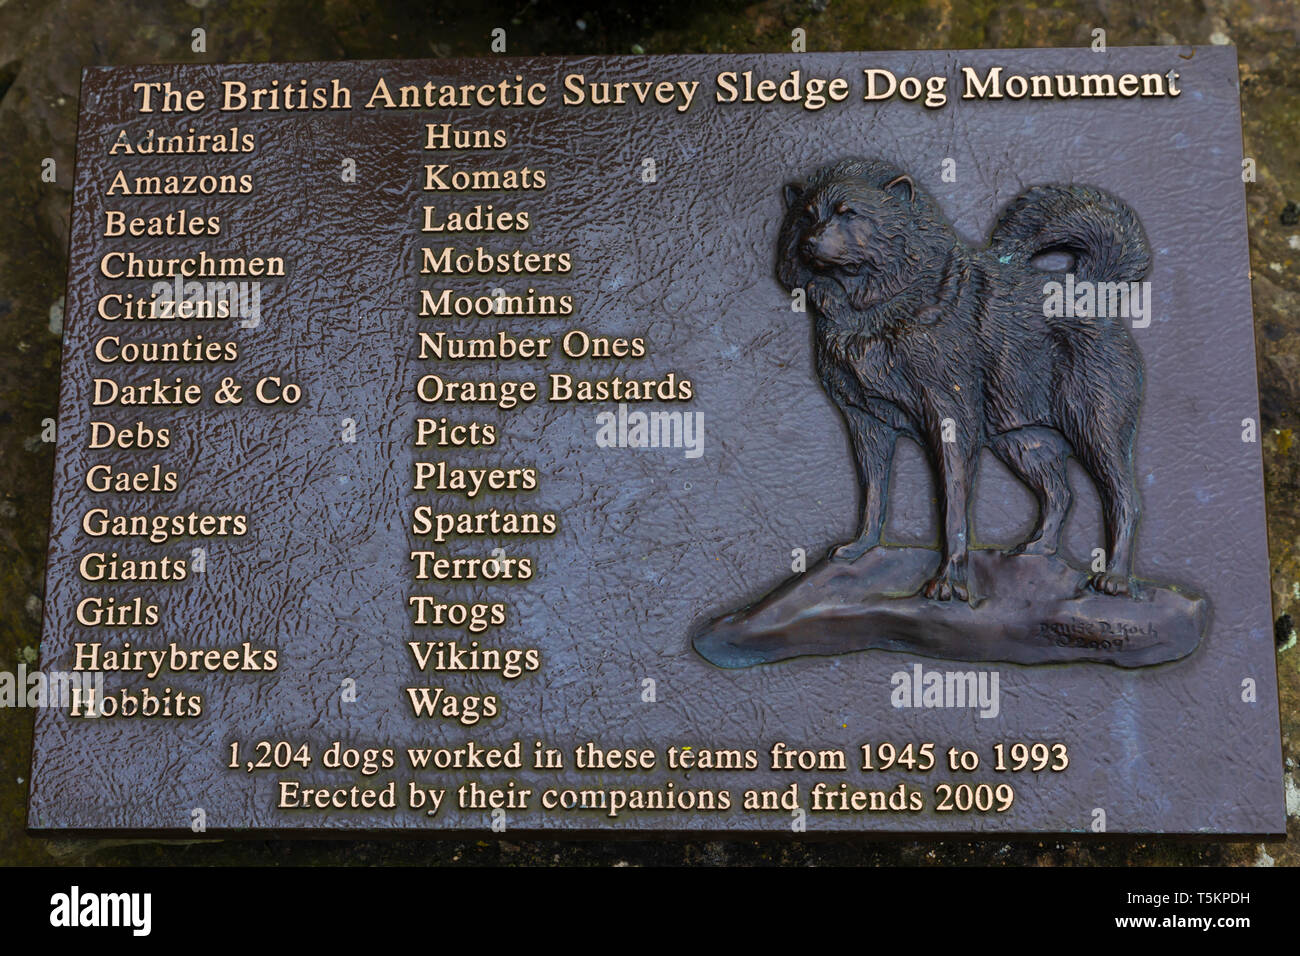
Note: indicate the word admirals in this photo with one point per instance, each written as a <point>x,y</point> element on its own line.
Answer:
<point>179,143</point>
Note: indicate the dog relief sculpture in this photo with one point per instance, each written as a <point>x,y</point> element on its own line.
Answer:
<point>920,335</point>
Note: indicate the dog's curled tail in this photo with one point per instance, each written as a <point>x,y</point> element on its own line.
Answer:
<point>1100,232</point>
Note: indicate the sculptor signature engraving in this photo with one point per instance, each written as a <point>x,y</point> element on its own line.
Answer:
<point>1095,635</point>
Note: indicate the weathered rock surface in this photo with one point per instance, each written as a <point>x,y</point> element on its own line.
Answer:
<point>1026,609</point>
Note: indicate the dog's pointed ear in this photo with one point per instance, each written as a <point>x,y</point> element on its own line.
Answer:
<point>902,187</point>
<point>793,192</point>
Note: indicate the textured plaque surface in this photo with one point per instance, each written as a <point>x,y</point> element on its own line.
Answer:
<point>650,543</point>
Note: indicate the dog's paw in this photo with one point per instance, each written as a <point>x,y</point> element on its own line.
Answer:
<point>852,550</point>
<point>946,585</point>
<point>1108,582</point>
<point>821,303</point>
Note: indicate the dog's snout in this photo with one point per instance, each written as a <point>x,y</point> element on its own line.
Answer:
<point>809,246</point>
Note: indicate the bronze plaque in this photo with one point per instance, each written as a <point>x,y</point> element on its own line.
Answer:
<point>791,444</point>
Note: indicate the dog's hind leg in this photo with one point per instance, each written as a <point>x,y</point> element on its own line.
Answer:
<point>1097,407</point>
<point>1037,457</point>
<point>1109,460</point>
<point>873,452</point>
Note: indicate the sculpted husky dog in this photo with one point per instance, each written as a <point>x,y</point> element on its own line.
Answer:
<point>919,334</point>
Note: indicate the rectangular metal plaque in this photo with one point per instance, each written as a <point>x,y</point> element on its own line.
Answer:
<point>420,420</point>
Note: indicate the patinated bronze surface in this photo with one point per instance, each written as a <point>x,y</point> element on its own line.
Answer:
<point>650,542</point>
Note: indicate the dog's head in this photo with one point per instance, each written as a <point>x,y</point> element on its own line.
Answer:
<point>861,223</point>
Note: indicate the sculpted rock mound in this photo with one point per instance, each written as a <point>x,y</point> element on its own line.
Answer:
<point>1025,609</point>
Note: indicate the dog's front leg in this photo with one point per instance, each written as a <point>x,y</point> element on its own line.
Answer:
<point>873,453</point>
<point>954,463</point>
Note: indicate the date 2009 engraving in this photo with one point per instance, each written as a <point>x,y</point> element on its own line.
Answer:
<point>1095,635</point>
